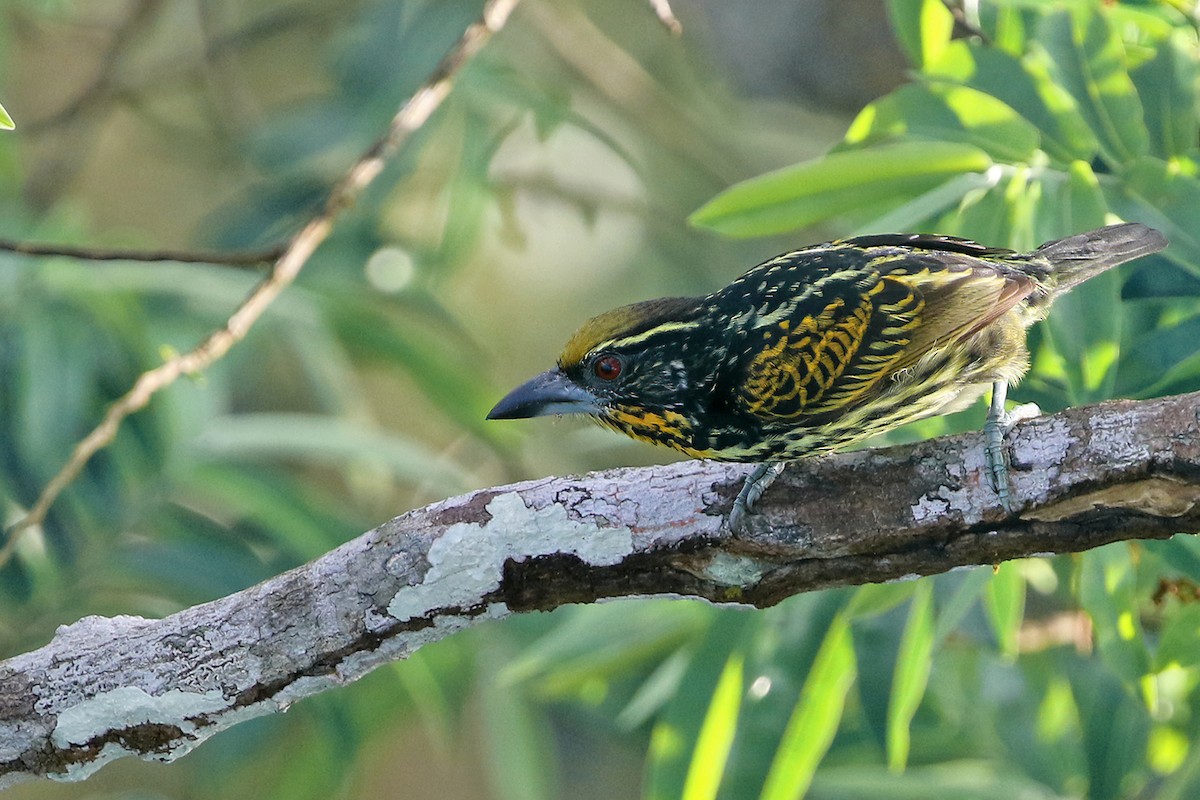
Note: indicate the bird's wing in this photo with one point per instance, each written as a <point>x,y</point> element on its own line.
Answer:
<point>962,296</point>
<point>836,338</point>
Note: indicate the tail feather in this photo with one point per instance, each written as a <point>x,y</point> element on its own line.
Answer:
<point>1076,258</point>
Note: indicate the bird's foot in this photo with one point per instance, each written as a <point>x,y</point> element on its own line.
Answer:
<point>757,482</point>
<point>999,423</point>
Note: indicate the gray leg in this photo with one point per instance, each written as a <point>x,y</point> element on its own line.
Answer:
<point>999,423</point>
<point>756,483</point>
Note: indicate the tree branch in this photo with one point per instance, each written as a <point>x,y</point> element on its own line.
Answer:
<point>105,688</point>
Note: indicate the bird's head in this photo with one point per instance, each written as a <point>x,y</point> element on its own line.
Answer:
<point>633,368</point>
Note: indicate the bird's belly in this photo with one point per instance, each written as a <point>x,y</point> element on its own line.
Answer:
<point>888,411</point>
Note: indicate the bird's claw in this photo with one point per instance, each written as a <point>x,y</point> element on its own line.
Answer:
<point>998,424</point>
<point>757,482</point>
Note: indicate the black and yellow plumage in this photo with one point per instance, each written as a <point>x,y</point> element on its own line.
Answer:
<point>822,347</point>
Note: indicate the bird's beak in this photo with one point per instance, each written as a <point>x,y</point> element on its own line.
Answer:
<point>552,392</point>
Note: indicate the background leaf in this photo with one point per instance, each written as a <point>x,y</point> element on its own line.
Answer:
<point>796,196</point>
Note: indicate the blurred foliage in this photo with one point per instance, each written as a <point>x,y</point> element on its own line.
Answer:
<point>554,184</point>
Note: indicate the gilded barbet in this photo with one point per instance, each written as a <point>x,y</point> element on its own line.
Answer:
<point>822,347</point>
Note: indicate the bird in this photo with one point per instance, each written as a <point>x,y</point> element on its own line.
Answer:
<point>823,347</point>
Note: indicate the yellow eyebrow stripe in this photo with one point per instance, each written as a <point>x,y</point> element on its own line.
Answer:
<point>629,341</point>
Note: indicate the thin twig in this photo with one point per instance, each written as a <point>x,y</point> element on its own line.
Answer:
<point>411,116</point>
<point>236,258</point>
<point>662,8</point>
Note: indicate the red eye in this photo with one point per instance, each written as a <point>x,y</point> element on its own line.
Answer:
<point>607,368</point>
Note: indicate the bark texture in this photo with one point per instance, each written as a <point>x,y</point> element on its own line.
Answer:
<point>110,687</point>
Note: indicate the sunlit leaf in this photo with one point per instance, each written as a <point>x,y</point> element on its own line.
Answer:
<point>716,734</point>
<point>675,736</point>
<point>796,196</point>
<point>6,122</point>
<point>777,665</point>
<point>1168,86</point>
<point>1025,85</point>
<point>913,664</point>
<point>815,718</point>
<point>1089,62</point>
<point>876,598</point>
<point>947,112</point>
<point>923,28</point>
<point>1086,324</point>
<point>918,213</point>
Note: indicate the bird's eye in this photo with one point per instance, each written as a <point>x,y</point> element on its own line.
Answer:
<point>608,368</point>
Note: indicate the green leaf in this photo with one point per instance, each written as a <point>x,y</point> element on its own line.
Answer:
<point>947,112</point>
<point>1115,728</point>
<point>815,718</point>
<point>1107,584</point>
<point>1181,552</point>
<point>1007,215</point>
<point>6,122</point>
<point>984,215</point>
<point>1167,85</point>
<point>1005,605</point>
<point>805,193</point>
<point>951,779</point>
<point>318,438</point>
<point>1007,29</point>
<point>780,658</point>
<point>655,692</point>
<point>923,28</point>
<point>953,610</point>
<point>418,334</point>
<point>1179,643</point>
<point>876,598</point>
<point>283,509</point>
<point>1026,86</point>
<point>1166,356</point>
<point>519,744</point>
<point>1166,195</point>
<point>1086,325</point>
<point>578,652</point>
<point>1088,60</point>
<point>913,664</point>
<point>716,734</point>
<point>675,736</point>
<point>1080,206</point>
<point>918,213</point>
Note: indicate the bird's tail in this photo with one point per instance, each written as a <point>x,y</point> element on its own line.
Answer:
<point>1076,258</point>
